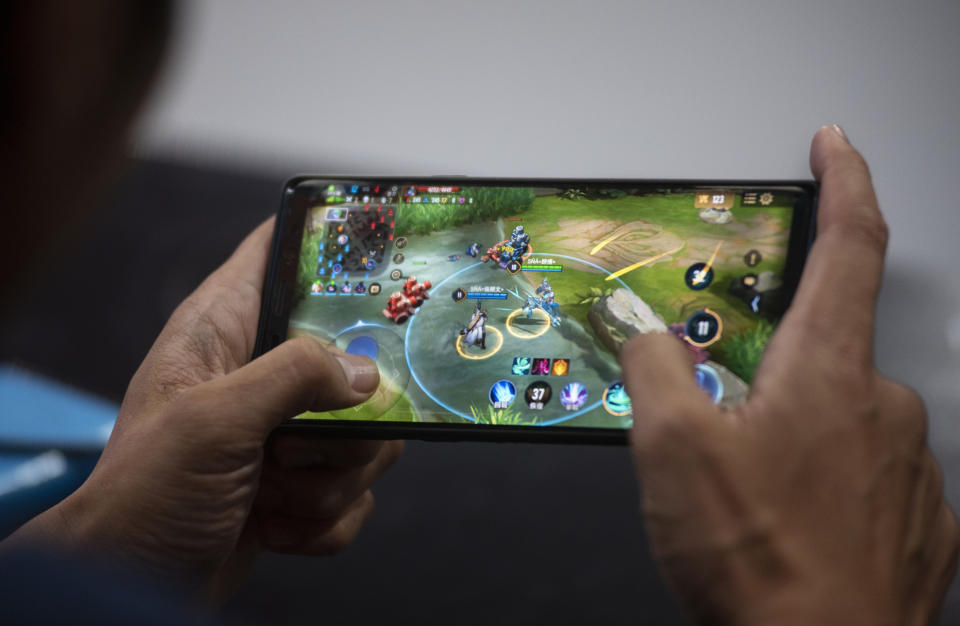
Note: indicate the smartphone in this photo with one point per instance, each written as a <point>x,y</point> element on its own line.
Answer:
<point>495,308</point>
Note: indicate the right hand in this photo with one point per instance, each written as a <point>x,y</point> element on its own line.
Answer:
<point>817,501</point>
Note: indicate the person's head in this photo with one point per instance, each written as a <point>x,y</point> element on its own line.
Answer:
<point>72,77</point>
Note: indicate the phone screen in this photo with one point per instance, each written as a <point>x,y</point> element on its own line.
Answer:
<point>506,305</point>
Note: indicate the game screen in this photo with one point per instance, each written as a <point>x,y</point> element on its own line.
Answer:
<point>508,305</point>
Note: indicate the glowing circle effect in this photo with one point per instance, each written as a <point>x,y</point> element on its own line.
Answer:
<point>544,328</point>
<point>486,353</point>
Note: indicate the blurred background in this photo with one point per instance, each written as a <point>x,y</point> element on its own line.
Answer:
<point>254,92</point>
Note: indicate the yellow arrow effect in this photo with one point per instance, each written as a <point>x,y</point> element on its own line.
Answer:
<point>630,268</point>
<point>702,274</point>
<point>600,245</point>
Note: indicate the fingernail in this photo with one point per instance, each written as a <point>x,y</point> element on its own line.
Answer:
<point>836,128</point>
<point>360,371</point>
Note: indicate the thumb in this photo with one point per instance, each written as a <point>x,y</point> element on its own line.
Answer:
<point>298,375</point>
<point>658,372</point>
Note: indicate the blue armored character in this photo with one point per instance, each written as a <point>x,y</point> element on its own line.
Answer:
<point>543,300</point>
<point>545,291</point>
<point>520,242</point>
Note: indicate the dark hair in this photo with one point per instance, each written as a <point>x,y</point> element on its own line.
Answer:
<point>144,30</point>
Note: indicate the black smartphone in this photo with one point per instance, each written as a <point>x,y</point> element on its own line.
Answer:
<point>495,308</point>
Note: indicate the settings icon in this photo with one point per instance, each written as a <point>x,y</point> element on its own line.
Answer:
<point>766,198</point>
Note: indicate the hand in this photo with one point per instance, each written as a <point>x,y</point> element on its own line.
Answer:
<point>817,501</point>
<point>185,489</point>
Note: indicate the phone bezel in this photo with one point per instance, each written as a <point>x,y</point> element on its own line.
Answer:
<point>284,260</point>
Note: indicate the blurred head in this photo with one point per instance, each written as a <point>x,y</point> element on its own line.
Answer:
<point>72,77</point>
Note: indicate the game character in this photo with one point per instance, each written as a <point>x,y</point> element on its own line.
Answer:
<point>398,308</point>
<point>474,334</point>
<point>345,287</point>
<point>360,288</point>
<point>520,242</point>
<point>545,291</point>
<point>402,304</point>
<point>473,250</point>
<point>416,292</point>
<point>544,301</point>
<point>316,288</point>
<point>513,249</point>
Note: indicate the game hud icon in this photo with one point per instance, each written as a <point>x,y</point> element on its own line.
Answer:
<point>698,276</point>
<point>502,394</point>
<point>573,396</point>
<point>616,401</point>
<point>521,365</point>
<point>537,395</point>
<point>364,346</point>
<point>540,367</point>
<point>708,379</point>
<point>560,367</point>
<point>703,328</point>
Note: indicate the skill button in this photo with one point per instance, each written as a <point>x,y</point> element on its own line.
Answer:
<point>698,276</point>
<point>538,395</point>
<point>616,401</point>
<point>703,328</point>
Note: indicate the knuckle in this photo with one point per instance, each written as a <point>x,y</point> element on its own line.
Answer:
<point>395,450</point>
<point>328,503</point>
<point>342,534</point>
<point>335,542</point>
<point>906,408</point>
<point>863,223</point>
<point>303,356</point>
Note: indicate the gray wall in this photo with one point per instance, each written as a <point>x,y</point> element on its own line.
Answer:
<point>619,89</point>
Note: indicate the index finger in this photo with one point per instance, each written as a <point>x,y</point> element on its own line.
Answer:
<point>248,263</point>
<point>835,301</point>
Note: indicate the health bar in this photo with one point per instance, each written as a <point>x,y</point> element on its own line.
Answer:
<point>542,268</point>
<point>472,295</point>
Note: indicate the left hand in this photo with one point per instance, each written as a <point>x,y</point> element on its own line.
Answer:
<point>188,487</point>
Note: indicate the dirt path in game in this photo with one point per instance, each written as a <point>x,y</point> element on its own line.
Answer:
<point>624,244</point>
